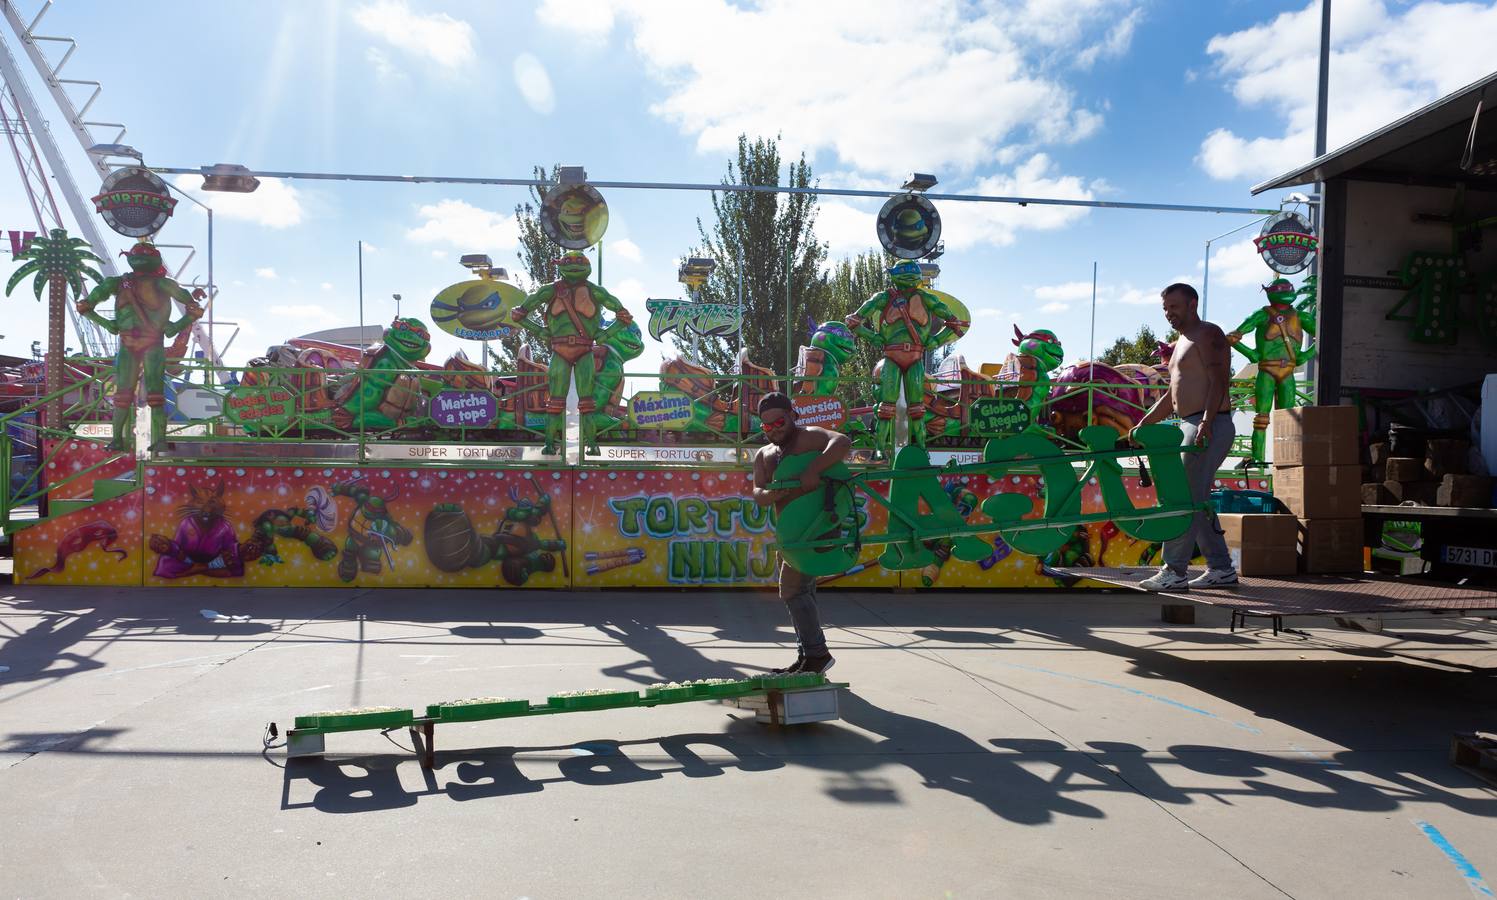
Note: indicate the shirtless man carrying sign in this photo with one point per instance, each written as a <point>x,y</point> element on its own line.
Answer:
<point>798,590</point>
<point>1200,371</point>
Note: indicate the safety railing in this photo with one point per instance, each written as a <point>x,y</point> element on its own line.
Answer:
<point>475,416</point>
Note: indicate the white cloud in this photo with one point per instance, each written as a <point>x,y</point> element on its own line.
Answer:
<point>1385,63</point>
<point>384,70</point>
<point>274,204</point>
<point>437,37</point>
<point>1055,307</point>
<point>624,249</point>
<point>631,291</point>
<point>534,84</point>
<point>1071,290</point>
<point>1239,265</point>
<point>370,248</point>
<point>825,75</point>
<point>847,229</point>
<point>439,254</point>
<point>327,285</point>
<point>966,224</point>
<point>465,227</point>
<point>1114,45</point>
<point>267,273</point>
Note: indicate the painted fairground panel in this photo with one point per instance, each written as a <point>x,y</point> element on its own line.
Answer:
<point>682,527</point>
<point>376,527</point>
<point>97,545</point>
<point>68,458</point>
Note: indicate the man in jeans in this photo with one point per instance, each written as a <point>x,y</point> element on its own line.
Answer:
<point>1200,370</point>
<point>798,590</point>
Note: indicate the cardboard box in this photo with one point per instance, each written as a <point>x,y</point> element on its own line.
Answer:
<point>1328,546</point>
<point>1315,436</point>
<point>1320,492</point>
<point>1262,544</point>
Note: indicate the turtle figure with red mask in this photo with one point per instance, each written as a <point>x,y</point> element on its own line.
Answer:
<point>142,319</point>
<point>571,321</point>
<point>1042,346</point>
<point>904,322</point>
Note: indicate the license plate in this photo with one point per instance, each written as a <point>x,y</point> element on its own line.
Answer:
<point>1484,557</point>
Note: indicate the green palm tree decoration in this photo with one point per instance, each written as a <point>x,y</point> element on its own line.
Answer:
<point>59,262</point>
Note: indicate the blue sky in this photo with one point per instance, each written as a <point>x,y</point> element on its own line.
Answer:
<point>1158,101</point>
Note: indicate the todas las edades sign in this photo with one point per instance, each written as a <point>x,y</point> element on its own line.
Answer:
<point>669,410</point>
<point>258,407</point>
<point>675,527</point>
<point>826,412</point>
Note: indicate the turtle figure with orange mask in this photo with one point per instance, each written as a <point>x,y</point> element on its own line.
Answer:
<point>1279,330</point>
<point>904,321</point>
<point>142,319</point>
<point>571,310</point>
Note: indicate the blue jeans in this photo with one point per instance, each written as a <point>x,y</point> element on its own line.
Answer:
<point>798,590</point>
<point>1200,472</point>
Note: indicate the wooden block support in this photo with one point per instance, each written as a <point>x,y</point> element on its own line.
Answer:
<point>1420,492</point>
<point>1178,613</point>
<point>1445,456</point>
<point>1406,468</point>
<point>1377,494</point>
<point>1464,490</point>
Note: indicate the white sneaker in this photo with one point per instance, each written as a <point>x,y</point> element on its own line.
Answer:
<point>1215,578</point>
<point>1165,580</point>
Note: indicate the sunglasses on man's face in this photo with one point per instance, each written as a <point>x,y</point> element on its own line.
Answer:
<point>771,424</point>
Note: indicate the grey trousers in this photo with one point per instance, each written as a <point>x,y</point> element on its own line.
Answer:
<point>1200,471</point>
<point>799,593</point>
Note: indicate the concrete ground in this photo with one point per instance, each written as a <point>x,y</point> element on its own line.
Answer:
<point>1017,745</point>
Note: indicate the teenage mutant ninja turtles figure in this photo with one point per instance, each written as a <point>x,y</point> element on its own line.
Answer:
<point>371,532</point>
<point>376,395</point>
<point>453,543</point>
<point>142,319</point>
<point>904,321</point>
<point>1278,329</point>
<point>571,312</point>
<point>1045,349</point>
<point>821,363</point>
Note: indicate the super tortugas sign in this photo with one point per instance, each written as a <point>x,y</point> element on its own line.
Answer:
<point>820,534</point>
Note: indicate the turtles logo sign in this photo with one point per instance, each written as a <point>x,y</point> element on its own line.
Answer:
<point>134,202</point>
<point>1286,244</point>
<point>909,226</point>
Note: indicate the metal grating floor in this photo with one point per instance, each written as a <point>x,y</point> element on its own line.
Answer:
<point>1315,595</point>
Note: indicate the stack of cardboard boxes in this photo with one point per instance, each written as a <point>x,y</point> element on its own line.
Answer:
<point>1318,475</point>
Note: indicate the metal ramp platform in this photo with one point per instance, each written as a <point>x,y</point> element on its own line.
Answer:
<point>1356,601</point>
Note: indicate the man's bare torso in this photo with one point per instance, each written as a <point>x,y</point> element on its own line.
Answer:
<point>1189,374</point>
<point>806,440</point>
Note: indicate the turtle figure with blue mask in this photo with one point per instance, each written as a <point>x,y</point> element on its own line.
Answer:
<point>905,321</point>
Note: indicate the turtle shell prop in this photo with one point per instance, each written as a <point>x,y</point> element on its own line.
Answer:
<point>452,543</point>
<point>1119,402</point>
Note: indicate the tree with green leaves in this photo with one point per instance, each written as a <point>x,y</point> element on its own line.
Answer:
<point>850,282</point>
<point>1141,349</point>
<point>58,262</point>
<point>537,256</point>
<point>769,240</point>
